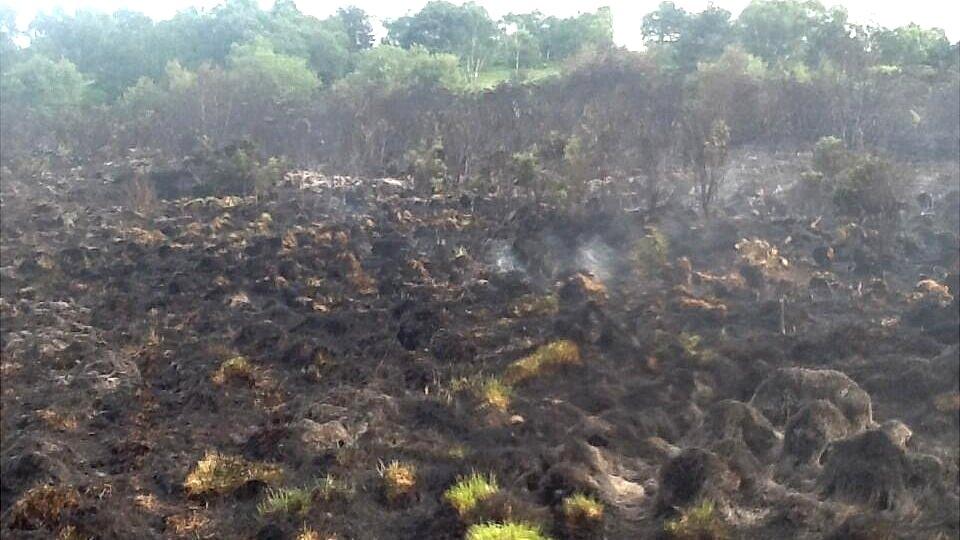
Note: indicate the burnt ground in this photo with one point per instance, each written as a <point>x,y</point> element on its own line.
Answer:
<point>806,393</point>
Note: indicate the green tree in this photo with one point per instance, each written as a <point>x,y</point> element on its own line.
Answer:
<point>389,68</point>
<point>780,31</point>
<point>665,25</point>
<point>258,70</point>
<point>440,26</point>
<point>356,24</point>
<point>912,45</point>
<point>43,86</point>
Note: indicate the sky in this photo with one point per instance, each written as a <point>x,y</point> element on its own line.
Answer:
<point>627,14</point>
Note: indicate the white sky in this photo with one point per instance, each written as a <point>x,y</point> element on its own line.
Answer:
<point>627,13</point>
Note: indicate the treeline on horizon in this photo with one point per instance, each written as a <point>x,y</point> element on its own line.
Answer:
<point>478,95</point>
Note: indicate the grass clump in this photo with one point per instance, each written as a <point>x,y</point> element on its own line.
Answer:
<point>329,488</point>
<point>237,369</point>
<point>469,491</point>
<point>582,514</point>
<point>494,393</point>
<point>287,501</point>
<point>504,531</point>
<point>399,481</point>
<point>43,506</point>
<point>218,473</point>
<point>545,358</point>
<point>701,522</point>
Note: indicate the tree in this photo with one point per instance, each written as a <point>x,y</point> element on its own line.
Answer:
<point>565,37</point>
<point>9,50</point>
<point>389,68</point>
<point>43,86</point>
<point>440,26</point>
<point>912,45</point>
<point>779,31</point>
<point>259,71</point>
<point>665,25</point>
<point>356,24</point>
<point>114,50</point>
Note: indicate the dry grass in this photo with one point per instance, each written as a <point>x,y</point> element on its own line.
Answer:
<point>701,522</point>
<point>399,482</point>
<point>287,501</point>
<point>43,506</point>
<point>217,473</point>
<point>236,369</point>
<point>545,359</point>
<point>582,514</point>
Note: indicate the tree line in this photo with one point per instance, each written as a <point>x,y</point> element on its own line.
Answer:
<point>450,85</point>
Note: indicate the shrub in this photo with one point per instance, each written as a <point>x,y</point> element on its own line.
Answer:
<point>698,523</point>
<point>426,165</point>
<point>649,253</point>
<point>545,358</point>
<point>868,190</point>
<point>504,531</point>
<point>218,473</point>
<point>830,157</point>
<point>236,169</point>
<point>469,491</point>
<point>582,514</point>
<point>399,481</point>
<point>288,501</point>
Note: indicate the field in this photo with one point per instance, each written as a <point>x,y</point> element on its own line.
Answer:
<point>329,358</point>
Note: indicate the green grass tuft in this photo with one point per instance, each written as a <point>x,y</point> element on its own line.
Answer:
<point>505,531</point>
<point>288,501</point>
<point>469,491</point>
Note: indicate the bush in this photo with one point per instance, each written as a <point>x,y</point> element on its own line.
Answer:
<point>236,169</point>
<point>830,157</point>
<point>427,166</point>
<point>869,190</point>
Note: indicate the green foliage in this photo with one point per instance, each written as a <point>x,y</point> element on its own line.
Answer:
<point>286,501</point>
<point>869,189</point>
<point>912,45</point>
<point>469,491</point>
<point>701,522</point>
<point>504,531</point>
<point>465,30</point>
<point>257,70</point>
<point>426,165</point>
<point>388,68</point>
<point>830,156</point>
<point>649,253</point>
<point>46,87</point>
<point>237,169</point>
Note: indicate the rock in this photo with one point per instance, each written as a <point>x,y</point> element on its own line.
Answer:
<point>731,419</point>
<point>787,390</point>
<point>810,430</point>
<point>869,469</point>
<point>321,437</point>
